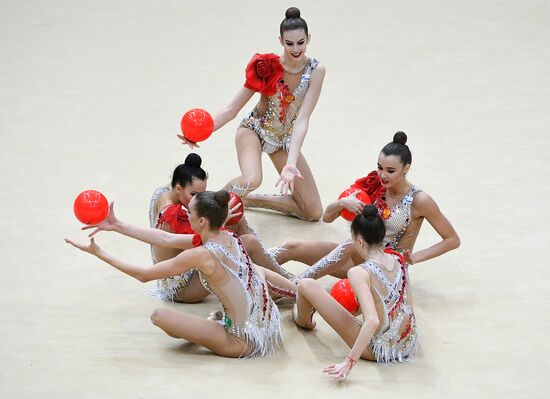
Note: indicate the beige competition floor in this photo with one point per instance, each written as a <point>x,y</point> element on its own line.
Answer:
<point>91,94</point>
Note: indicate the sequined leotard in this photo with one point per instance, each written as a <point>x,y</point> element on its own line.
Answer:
<point>248,312</point>
<point>399,220</point>
<point>167,288</point>
<point>396,224</point>
<point>396,219</point>
<point>395,339</point>
<point>264,119</point>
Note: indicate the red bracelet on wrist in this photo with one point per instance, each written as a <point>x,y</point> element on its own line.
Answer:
<point>351,360</point>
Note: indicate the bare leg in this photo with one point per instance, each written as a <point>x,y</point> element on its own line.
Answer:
<point>303,251</point>
<point>193,292</point>
<point>249,154</point>
<point>163,253</point>
<point>207,333</point>
<point>303,311</point>
<point>303,203</point>
<point>336,263</point>
<point>278,285</point>
<point>242,227</point>
<point>261,256</point>
<point>313,296</point>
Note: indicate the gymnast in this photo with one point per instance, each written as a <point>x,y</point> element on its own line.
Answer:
<point>402,206</point>
<point>290,86</point>
<point>168,212</point>
<point>387,332</point>
<point>248,323</point>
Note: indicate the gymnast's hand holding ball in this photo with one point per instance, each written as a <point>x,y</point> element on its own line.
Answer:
<point>236,210</point>
<point>353,201</point>
<point>196,125</point>
<point>110,223</point>
<point>90,207</point>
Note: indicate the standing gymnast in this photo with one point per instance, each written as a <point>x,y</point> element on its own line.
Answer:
<point>248,324</point>
<point>387,332</point>
<point>290,86</point>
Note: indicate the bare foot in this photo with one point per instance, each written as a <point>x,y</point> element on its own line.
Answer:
<point>306,324</point>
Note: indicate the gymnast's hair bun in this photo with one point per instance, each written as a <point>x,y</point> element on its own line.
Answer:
<point>292,12</point>
<point>222,198</point>
<point>370,212</point>
<point>400,138</point>
<point>369,225</point>
<point>193,160</point>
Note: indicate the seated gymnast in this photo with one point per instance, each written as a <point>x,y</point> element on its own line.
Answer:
<point>248,323</point>
<point>402,206</point>
<point>387,332</point>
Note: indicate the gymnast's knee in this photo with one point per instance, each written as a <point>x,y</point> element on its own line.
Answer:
<point>249,241</point>
<point>306,285</point>
<point>313,213</point>
<point>157,315</point>
<point>291,246</point>
<point>253,181</point>
<point>248,183</point>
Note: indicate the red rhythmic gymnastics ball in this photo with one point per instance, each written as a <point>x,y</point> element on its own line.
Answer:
<point>238,200</point>
<point>91,207</point>
<point>197,125</point>
<point>344,295</point>
<point>361,196</point>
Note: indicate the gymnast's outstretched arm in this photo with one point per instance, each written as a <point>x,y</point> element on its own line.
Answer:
<point>146,234</point>
<point>195,258</point>
<point>230,112</point>
<point>226,114</point>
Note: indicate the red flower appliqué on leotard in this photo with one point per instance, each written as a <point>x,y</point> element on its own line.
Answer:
<point>373,187</point>
<point>263,73</point>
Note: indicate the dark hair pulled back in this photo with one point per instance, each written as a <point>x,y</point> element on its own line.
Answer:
<point>293,21</point>
<point>186,172</point>
<point>212,205</point>
<point>399,147</point>
<point>369,225</point>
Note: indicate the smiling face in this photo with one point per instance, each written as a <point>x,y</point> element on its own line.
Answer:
<point>185,194</point>
<point>295,43</point>
<point>391,171</point>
